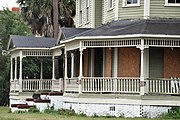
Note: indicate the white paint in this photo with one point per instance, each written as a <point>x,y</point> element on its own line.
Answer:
<point>124,110</point>
<point>53,67</point>
<point>20,71</point>
<point>142,67</point>
<point>115,62</point>
<point>11,78</point>
<point>116,9</point>
<point>41,73</point>
<point>42,106</point>
<point>15,72</point>
<point>146,9</point>
<point>56,101</point>
<point>72,64</point>
<point>92,62</point>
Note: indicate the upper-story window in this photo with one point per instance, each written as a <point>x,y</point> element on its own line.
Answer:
<point>80,11</point>
<point>172,2</point>
<point>110,4</point>
<point>87,10</point>
<point>128,3</point>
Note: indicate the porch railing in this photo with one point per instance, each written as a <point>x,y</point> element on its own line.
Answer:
<point>118,85</point>
<point>36,84</point>
<point>163,86</point>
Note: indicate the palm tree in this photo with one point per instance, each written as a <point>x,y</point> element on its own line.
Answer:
<point>39,14</point>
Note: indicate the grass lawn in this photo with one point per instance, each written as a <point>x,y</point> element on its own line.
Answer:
<point>6,115</point>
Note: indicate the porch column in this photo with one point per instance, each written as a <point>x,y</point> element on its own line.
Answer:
<point>65,68</point>
<point>15,71</point>
<point>41,75</point>
<point>20,72</point>
<point>142,82</point>
<point>72,64</point>
<point>11,69</point>
<point>53,67</point>
<point>80,69</point>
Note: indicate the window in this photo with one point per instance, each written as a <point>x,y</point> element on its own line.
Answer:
<point>110,4</point>
<point>87,10</point>
<point>128,3</point>
<point>173,1</point>
<point>131,1</point>
<point>80,11</point>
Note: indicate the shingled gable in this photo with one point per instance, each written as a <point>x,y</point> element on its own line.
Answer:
<point>30,42</point>
<point>132,27</point>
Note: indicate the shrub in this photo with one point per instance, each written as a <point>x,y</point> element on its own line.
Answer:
<point>173,113</point>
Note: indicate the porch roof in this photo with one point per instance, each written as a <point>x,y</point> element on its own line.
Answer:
<point>30,42</point>
<point>130,27</point>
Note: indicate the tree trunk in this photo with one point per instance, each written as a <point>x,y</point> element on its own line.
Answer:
<point>55,18</point>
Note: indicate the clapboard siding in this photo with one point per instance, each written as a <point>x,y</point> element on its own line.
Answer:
<point>98,12</point>
<point>159,10</point>
<point>135,12</point>
<point>84,24</point>
<point>108,14</point>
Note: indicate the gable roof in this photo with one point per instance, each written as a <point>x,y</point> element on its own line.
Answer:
<point>130,27</point>
<point>29,41</point>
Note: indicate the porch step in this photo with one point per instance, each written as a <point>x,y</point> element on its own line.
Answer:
<point>46,99</point>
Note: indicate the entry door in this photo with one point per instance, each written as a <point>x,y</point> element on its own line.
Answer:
<point>98,62</point>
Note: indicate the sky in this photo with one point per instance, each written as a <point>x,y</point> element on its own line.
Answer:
<point>8,3</point>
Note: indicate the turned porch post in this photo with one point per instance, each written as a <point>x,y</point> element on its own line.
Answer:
<point>72,64</point>
<point>80,67</point>
<point>65,68</point>
<point>11,69</point>
<point>20,72</point>
<point>53,67</point>
<point>142,82</point>
<point>15,71</point>
<point>41,74</point>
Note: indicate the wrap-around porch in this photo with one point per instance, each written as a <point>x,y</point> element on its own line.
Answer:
<point>133,65</point>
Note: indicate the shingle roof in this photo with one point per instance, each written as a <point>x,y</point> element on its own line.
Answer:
<point>129,27</point>
<point>70,32</point>
<point>29,41</point>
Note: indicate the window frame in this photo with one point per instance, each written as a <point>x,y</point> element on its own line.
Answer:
<point>171,4</point>
<point>130,5</point>
<point>110,4</point>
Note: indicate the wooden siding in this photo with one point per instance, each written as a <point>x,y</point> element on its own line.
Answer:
<point>129,62</point>
<point>158,10</point>
<point>108,62</point>
<point>98,12</point>
<point>131,12</point>
<point>171,62</point>
<point>84,24</point>
<point>108,14</point>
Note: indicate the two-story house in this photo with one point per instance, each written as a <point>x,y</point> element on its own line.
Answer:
<point>124,54</point>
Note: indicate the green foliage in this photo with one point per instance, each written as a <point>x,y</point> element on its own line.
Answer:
<point>173,113</point>
<point>67,112</point>
<point>10,23</point>
<point>33,110</point>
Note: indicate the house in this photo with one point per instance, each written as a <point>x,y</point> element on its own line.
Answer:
<point>125,59</point>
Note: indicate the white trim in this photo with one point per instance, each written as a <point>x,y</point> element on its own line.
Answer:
<point>124,4</point>
<point>116,9</point>
<point>93,14</point>
<point>56,47</point>
<point>121,37</point>
<point>146,9</point>
<point>115,62</point>
<point>171,4</point>
<point>23,48</point>
<point>110,4</point>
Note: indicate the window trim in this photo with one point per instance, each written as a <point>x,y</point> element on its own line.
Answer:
<point>110,4</point>
<point>171,4</point>
<point>124,4</point>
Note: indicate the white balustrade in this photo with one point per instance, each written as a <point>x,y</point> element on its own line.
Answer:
<point>164,86</point>
<point>36,84</point>
<point>117,85</point>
